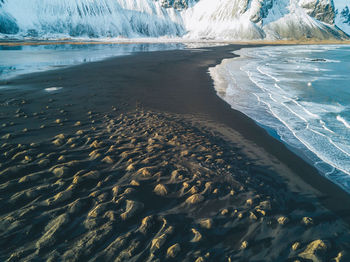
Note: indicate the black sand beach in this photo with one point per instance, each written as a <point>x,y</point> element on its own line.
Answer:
<point>137,159</point>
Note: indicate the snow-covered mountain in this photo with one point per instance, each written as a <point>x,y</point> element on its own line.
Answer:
<point>102,18</point>
<point>262,19</point>
<point>191,19</point>
<point>342,19</point>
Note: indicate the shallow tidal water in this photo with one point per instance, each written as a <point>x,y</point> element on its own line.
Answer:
<point>24,59</point>
<point>82,180</point>
<point>301,95</point>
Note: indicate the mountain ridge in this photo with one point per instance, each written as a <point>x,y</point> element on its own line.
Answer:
<point>343,19</point>
<point>188,19</point>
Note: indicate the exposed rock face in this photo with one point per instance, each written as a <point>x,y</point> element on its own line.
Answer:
<point>322,10</point>
<point>194,19</point>
<point>177,4</point>
<point>343,18</point>
<point>263,19</point>
<point>7,23</point>
<point>346,13</point>
<point>262,8</point>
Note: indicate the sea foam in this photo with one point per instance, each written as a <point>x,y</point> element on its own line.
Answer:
<point>301,93</point>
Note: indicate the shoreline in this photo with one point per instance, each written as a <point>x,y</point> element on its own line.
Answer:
<point>223,114</point>
<point>301,148</point>
<point>160,94</point>
<point>172,41</point>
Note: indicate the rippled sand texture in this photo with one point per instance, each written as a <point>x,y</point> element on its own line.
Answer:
<point>148,186</point>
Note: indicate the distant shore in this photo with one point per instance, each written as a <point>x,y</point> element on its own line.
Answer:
<point>137,158</point>
<point>13,42</point>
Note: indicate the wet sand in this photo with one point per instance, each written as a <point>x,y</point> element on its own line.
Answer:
<point>136,158</point>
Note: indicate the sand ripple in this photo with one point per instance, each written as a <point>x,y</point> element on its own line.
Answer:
<point>148,186</point>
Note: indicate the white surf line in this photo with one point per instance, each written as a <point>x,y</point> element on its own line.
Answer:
<point>54,88</point>
<point>325,159</point>
<point>270,95</point>
<point>342,120</point>
<point>318,133</point>
<point>281,103</point>
<point>266,90</point>
<point>311,148</point>
<point>319,163</point>
<point>267,74</point>
<point>293,112</point>
<point>257,97</point>
<point>325,127</point>
<point>305,110</point>
<point>339,118</point>
<point>278,87</point>
<point>342,150</point>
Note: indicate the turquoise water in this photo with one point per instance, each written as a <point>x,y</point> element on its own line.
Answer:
<point>301,95</point>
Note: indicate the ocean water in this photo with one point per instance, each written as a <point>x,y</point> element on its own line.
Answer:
<point>300,95</point>
<point>19,60</point>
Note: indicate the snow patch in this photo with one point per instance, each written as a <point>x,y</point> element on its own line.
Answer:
<point>190,19</point>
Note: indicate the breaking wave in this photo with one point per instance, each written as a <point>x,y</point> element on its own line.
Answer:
<point>300,93</point>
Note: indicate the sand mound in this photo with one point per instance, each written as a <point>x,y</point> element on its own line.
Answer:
<point>145,186</point>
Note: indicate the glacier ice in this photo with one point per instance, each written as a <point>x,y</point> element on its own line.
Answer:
<point>190,19</point>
